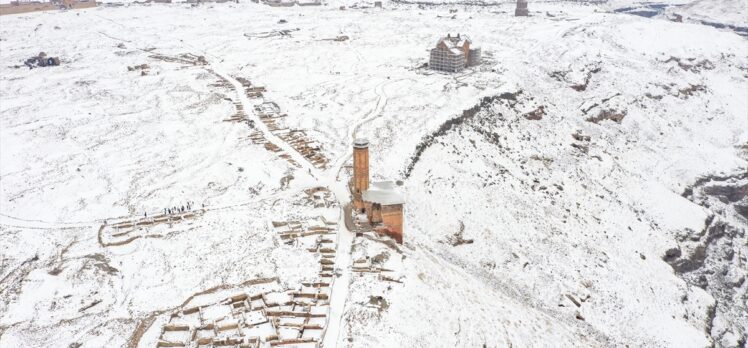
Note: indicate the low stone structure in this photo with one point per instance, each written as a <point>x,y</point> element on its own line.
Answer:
<point>15,7</point>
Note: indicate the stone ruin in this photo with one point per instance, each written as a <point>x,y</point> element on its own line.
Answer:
<point>521,10</point>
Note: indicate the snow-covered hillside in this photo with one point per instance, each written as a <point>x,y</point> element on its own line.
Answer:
<point>728,12</point>
<point>181,177</point>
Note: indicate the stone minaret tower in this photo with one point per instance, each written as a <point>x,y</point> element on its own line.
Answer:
<point>521,9</point>
<point>360,171</point>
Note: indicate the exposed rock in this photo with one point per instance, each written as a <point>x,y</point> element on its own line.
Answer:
<point>671,254</point>
<point>536,114</point>
<point>690,64</point>
<point>450,124</point>
<point>714,259</point>
<point>583,86</point>
<point>609,114</point>
<point>690,91</point>
<point>579,137</point>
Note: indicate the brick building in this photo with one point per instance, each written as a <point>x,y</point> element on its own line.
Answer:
<point>453,54</point>
<point>380,201</point>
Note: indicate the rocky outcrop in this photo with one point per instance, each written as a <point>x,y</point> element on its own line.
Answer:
<point>716,258</point>
<point>453,123</point>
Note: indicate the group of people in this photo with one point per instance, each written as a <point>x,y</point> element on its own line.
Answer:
<point>176,209</point>
<point>179,209</point>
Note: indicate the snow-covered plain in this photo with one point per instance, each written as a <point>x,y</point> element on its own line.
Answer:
<point>570,215</point>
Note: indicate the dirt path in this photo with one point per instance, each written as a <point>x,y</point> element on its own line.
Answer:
<point>328,178</point>
<point>340,286</point>
<point>262,127</point>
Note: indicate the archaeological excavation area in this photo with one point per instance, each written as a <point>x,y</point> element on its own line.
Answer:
<point>208,174</point>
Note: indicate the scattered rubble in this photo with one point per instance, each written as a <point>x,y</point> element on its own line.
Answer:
<point>457,238</point>
<point>714,258</point>
<point>690,91</point>
<point>185,58</point>
<point>608,114</point>
<point>272,33</point>
<point>138,67</point>
<point>536,114</point>
<point>578,136</point>
<point>270,114</point>
<point>340,38</point>
<point>42,60</point>
<point>90,305</point>
<point>582,87</point>
<point>144,69</point>
<point>691,64</point>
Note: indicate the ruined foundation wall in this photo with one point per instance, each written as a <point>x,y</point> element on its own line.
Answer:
<point>15,8</point>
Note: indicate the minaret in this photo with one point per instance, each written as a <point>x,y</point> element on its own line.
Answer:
<point>521,9</point>
<point>360,171</point>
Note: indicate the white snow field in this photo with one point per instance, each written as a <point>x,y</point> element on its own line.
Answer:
<point>585,186</point>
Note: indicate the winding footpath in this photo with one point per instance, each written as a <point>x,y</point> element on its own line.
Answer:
<point>338,186</point>
<point>329,179</point>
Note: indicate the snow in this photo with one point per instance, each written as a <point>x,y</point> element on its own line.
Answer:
<point>730,12</point>
<point>384,193</point>
<point>551,218</point>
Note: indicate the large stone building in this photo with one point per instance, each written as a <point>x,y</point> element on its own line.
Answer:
<point>453,53</point>
<point>521,10</point>
<point>380,201</point>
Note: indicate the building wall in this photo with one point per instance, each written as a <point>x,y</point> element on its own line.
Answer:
<point>392,217</point>
<point>444,60</point>
<point>360,175</point>
<point>475,57</point>
<point>521,9</point>
<point>374,212</point>
<point>466,52</point>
